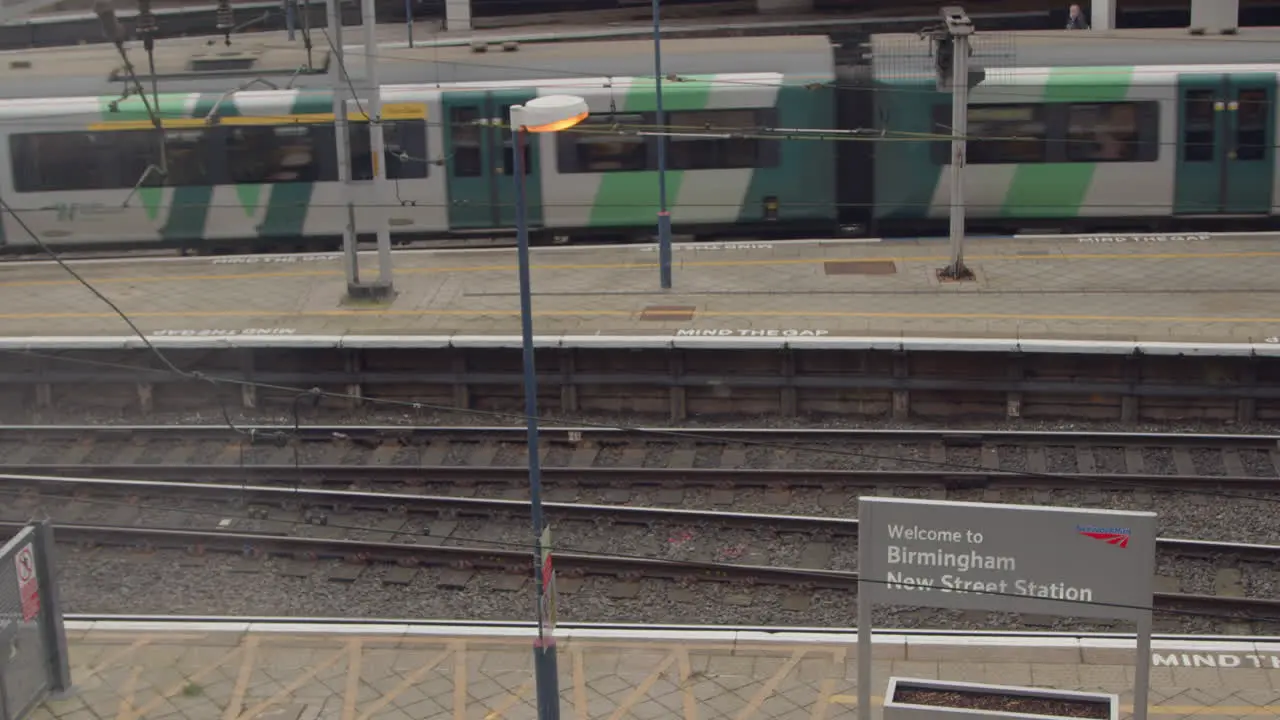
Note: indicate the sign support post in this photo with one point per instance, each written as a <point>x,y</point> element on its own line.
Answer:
<point>1061,561</point>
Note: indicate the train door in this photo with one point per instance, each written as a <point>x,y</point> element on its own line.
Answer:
<point>480,161</point>
<point>1226,129</point>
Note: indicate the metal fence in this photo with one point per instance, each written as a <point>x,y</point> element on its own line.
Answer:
<point>33,643</point>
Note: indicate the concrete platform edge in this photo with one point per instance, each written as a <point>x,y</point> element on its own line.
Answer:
<point>920,643</point>
<point>888,344</point>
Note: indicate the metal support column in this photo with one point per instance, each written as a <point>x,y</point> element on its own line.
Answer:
<point>546,672</point>
<point>341,125</point>
<point>377,153</point>
<point>408,20</point>
<point>60,681</point>
<point>959,129</point>
<point>664,217</point>
<point>1102,14</point>
<point>958,30</point>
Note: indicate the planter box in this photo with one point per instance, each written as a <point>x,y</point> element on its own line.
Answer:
<point>916,699</point>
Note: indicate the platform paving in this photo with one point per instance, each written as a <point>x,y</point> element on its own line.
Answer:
<point>1219,290</point>
<point>366,673</point>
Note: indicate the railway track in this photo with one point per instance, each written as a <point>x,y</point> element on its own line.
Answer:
<point>299,529</point>
<point>988,455</point>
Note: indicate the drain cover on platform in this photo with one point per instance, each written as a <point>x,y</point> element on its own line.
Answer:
<point>860,267</point>
<point>679,313</point>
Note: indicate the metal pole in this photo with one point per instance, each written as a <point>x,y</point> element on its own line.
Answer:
<point>546,673</point>
<point>341,125</point>
<point>864,616</point>
<point>959,130</point>
<point>376,144</point>
<point>1142,670</point>
<point>664,217</point>
<point>408,20</point>
<point>51,602</point>
<point>289,19</point>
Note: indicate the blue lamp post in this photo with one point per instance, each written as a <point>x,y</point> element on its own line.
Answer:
<point>548,114</point>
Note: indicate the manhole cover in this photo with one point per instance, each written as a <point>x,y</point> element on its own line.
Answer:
<point>678,313</point>
<point>860,267</point>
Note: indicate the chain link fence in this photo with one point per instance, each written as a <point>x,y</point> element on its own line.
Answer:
<point>33,644</point>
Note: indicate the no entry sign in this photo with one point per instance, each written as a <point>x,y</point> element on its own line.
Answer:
<point>28,584</point>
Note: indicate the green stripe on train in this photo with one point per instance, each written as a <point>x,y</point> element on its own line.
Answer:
<point>289,202</point>
<point>1059,189</point>
<point>631,198</point>
<point>168,106</point>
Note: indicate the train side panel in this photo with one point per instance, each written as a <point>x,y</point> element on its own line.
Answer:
<point>722,169</point>
<point>1089,142</point>
<point>68,180</point>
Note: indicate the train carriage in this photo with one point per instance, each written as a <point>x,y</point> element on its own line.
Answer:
<point>1087,146</point>
<point>1079,131</point>
<point>260,167</point>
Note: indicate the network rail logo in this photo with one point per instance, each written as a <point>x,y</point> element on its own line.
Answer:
<point>1111,536</point>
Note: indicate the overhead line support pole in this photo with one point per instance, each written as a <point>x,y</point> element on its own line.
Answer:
<point>958,30</point>
<point>341,124</point>
<point>377,154</point>
<point>664,216</point>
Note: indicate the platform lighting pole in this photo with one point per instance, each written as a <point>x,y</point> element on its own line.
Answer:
<point>959,28</point>
<point>664,217</point>
<point>377,147</point>
<point>547,114</point>
<point>341,123</point>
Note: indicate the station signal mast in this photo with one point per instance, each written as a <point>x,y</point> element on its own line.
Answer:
<point>957,74</point>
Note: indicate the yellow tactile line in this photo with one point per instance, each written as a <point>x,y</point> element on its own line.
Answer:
<point>511,268</point>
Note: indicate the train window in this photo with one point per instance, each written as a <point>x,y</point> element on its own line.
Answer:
<point>1007,134</point>
<point>465,137</point>
<point>1199,126</point>
<point>723,144</point>
<point>279,154</point>
<point>187,155</point>
<point>593,148</point>
<point>1110,132</point>
<point>405,142</point>
<point>1252,117</point>
<point>404,149</point>
<point>50,162</point>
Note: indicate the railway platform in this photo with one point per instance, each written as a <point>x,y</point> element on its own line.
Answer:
<point>1193,290</point>
<point>300,671</point>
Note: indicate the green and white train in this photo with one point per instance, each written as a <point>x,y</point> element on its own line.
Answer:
<point>776,136</point>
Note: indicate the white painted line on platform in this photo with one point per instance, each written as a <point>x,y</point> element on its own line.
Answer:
<point>645,248</point>
<point>1268,347</point>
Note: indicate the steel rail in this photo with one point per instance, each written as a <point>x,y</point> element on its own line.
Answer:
<point>307,474</point>
<point>568,433</point>
<point>357,500</point>
<point>514,561</point>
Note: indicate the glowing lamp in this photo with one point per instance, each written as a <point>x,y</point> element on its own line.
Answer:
<point>551,113</point>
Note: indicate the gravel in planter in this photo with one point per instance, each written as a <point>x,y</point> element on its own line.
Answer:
<point>996,701</point>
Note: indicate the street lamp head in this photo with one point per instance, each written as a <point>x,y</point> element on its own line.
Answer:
<point>551,113</point>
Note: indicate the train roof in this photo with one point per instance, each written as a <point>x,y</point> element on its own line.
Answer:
<point>206,66</point>
<point>1092,48</point>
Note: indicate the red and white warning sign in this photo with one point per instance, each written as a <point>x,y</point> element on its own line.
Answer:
<point>28,585</point>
